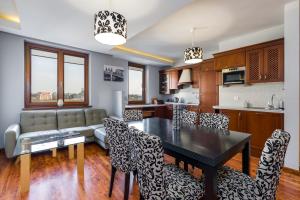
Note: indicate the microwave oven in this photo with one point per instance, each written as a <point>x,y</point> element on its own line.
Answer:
<point>233,76</point>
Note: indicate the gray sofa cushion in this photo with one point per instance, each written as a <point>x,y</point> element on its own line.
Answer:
<point>38,134</point>
<point>70,118</point>
<point>94,116</point>
<point>84,131</point>
<point>32,121</point>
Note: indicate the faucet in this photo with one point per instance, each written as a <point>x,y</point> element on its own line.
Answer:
<point>271,104</point>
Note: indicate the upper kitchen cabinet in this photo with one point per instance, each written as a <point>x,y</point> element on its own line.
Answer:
<point>230,59</point>
<point>195,76</point>
<point>264,62</point>
<point>168,80</point>
<point>173,79</point>
<point>208,65</point>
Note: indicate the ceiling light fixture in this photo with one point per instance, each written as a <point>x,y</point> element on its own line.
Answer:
<point>110,28</point>
<point>193,54</point>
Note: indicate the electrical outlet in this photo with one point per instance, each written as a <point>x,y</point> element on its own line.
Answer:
<point>236,98</point>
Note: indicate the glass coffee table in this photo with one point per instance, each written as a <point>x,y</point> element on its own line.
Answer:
<point>26,146</point>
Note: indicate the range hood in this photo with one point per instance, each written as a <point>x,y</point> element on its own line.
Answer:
<point>185,77</point>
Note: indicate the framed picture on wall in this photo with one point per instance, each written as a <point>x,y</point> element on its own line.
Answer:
<point>113,73</point>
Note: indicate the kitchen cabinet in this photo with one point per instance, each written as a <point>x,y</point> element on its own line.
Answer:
<point>208,65</point>
<point>236,119</point>
<point>195,76</point>
<point>208,91</point>
<point>230,59</point>
<point>259,124</point>
<point>169,111</point>
<point>264,62</point>
<point>173,81</point>
<point>192,108</point>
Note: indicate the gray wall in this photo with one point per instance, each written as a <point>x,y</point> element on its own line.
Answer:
<point>12,79</point>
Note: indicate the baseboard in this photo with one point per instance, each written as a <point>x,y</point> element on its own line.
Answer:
<point>291,171</point>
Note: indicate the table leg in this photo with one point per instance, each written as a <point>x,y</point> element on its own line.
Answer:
<point>245,158</point>
<point>25,173</point>
<point>210,183</point>
<point>71,151</point>
<point>80,159</point>
<point>54,152</point>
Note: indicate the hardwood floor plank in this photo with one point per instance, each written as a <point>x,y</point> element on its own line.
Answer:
<point>56,177</point>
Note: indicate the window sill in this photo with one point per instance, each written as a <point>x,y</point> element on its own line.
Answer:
<point>55,107</point>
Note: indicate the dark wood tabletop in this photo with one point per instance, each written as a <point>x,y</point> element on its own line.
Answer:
<point>206,148</point>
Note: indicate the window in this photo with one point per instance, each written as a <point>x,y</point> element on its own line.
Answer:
<point>52,74</point>
<point>136,83</point>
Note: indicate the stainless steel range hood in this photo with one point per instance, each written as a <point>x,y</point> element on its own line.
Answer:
<point>185,77</point>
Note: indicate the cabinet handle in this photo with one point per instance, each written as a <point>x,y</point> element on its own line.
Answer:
<point>265,76</point>
<point>259,76</point>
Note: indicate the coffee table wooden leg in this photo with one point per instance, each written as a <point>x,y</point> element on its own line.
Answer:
<point>71,151</point>
<point>25,173</point>
<point>54,152</point>
<point>80,159</point>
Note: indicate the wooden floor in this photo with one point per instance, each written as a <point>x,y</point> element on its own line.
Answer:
<point>56,178</point>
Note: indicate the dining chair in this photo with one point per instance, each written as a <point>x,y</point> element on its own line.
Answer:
<point>214,120</point>
<point>132,115</point>
<point>119,142</point>
<point>233,184</point>
<point>157,180</point>
<point>189,117</point>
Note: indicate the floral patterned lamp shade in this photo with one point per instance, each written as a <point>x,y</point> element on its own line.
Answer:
<point>110,28</point>
<point>193,55</point>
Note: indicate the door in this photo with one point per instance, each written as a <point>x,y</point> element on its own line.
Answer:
<point>273,63</point>
<point>261,126</point>
<point>208,91</point>
<point>173,82</point>
<point>254,66</point>
<point>236,119</point>
<point>195,76</point>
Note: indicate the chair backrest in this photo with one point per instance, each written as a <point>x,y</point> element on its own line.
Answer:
<point>119,142</point>
<point>148,156</point>
<point>132,115</point>
<point>189,117</point>
<point>214,120</point>
<point>270,164</point>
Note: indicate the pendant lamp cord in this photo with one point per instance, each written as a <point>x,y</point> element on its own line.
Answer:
<point>109,5</point>
<point>193,34</point>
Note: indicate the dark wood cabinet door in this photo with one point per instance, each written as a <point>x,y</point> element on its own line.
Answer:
<point>195,76</point>
<point>273,63</point>
<point>261,126</point>
<point>208,91</point>
<point>173,81</point>
<point>236,119</point>
<point>230,60</point>
<point>254,66</point>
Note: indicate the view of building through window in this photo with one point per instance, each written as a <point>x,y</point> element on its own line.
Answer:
<point>136,76</point>
<point>43,76</point>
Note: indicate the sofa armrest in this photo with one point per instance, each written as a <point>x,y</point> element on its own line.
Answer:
<point>10,139</point>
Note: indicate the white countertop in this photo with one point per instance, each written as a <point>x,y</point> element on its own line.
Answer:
<point>187,104</point>
<point>248,109</point>
<point>144,105</point>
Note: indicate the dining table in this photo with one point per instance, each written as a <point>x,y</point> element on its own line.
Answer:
<point>206,148</point>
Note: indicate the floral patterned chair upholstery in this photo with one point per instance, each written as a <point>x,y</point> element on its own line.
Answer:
<point>189,117</point>
<point>132,115</point>
<point>119,142</point>
<point>233,184</point>
<point>214,120</point>
<point>157,180</point>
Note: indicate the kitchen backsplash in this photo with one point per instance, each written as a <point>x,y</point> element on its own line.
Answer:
<point>257,95</point>
<point>188,94</point>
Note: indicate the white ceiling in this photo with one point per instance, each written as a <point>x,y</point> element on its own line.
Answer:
<point>156,26</point>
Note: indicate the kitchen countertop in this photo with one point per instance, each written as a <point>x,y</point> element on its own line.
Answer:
<point>187,104</point>
<point>248,109</point>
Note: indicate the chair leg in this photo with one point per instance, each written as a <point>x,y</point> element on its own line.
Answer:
<point>127,183</point>
<point>177,161</point>
<point>112,178</point>
<point>186,166</point>
<point>107,152</point>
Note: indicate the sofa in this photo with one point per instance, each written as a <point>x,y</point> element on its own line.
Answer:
<point>88,122</point>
